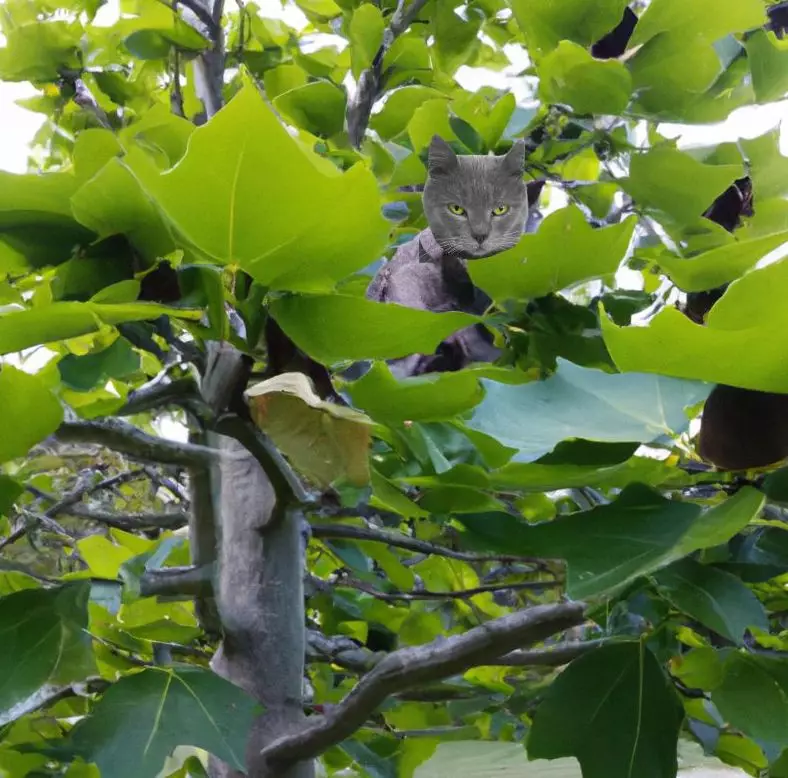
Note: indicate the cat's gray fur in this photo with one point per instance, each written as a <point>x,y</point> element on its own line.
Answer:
<point>429,272</point>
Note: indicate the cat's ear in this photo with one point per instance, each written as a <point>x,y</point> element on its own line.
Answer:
<point>440,157</point>
<point>514,159</point>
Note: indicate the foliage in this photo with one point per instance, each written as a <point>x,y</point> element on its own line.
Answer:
<point>146,230</point>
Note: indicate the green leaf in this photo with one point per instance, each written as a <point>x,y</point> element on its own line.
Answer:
<point>59,321</point>
<point>319,226</point>
<point>9,491</point>
<point>456,38</point>
<point>327,327</point>
<point>112,203</point>
<point>605,548</point>
<point>614,710</point>
<point>737,346</point>
<point>673,182</point>
<point>545,23</point>
<point>716,599</point>
<point>720,523</point>
<point>768,58</point>
<point>44,641</point>
<point>85,372</point>
<point>431,397</point>
<point>40,51</point>
<point>533,269</point>
<point>768,166</point>
<point>570,75</point>
<point>30,412</point>
<point>753,697</point>
<point>365,34</point>
<point>705,18</point>
<point>579,402</point>
<point>143,717</point>
<point>720,265</point>
<point>399,108</point>
<point>317,107</point>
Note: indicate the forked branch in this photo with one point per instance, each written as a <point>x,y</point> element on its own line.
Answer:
<point>408,667</point>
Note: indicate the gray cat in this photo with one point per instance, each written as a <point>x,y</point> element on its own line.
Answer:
<point>475,206</point>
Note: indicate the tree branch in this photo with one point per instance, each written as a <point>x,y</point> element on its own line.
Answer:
<point>408,667</point>
<point>189,581</point>
<point>182,392</point>
<point>398,540</point>
<point>555,656</point>
<point>359,108</point>
<point>134,443</point>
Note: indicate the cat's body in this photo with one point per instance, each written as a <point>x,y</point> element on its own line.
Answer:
<point>476,206</point>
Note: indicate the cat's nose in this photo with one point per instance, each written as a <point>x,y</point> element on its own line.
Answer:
<point>480,237</point>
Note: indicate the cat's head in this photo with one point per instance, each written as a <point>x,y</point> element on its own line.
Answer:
<point>475,205</point>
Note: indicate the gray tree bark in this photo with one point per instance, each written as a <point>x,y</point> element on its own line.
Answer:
<point>261,604</point>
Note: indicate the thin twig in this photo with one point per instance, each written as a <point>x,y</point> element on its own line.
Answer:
<point>462,594</point>
<point>370,82</point>
<point>397,540</point>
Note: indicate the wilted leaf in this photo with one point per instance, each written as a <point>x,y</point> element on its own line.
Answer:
<point>325,442</point>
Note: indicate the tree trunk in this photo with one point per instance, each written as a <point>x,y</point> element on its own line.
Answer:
<point>261,603</point>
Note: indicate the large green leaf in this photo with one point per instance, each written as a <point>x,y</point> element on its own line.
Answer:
<point>604,548</point>
<point>544,23</point>
<point>720,265</point>
<point>578,402</point>
<point>768,166</point>
<point>143,717</point>
<point>331,328</point>
<point>736,347</point>
<point>615,711</point>
<point>673,182</point>
<point>570,75</point>
<point>716,599</point>
<point>28,410</point>
<point>456,38</point>
<point>311,228</point>
<point>59,321</point>
<point>753,697</point>
<point>43,640</point>
<point>533,268</point>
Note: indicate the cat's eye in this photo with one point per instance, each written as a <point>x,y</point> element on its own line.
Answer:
<point>500,210</point>
<point>457,210</point>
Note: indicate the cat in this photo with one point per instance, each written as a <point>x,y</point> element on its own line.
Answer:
<point>475,206</point>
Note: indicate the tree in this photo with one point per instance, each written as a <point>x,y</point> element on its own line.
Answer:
<point>337,570</point>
